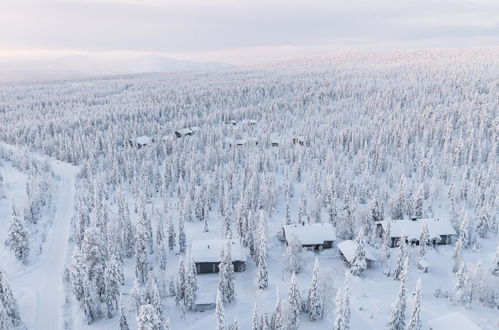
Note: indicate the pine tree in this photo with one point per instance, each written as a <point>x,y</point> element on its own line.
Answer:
<point>94,255</point>
<point>152,296</point>
<point>397,318</point>
<point>262,274</point>
<point>78,272</point>
<point>226,275</point>
<point>459,284</point>
<point>293,255</point>
<point>294,303</point>
<point>313,300</point>
<point>171,235</point>
<point>278,317</point>
<point>160,245</point>
<point>401,256</point>
<point>180,285</point>
<point>482,223</point>
<point>424,239</point>
<point>137,296</point>
<point>9,310</point>
<point>415,321</point>
<point>338,320</point>
<point>464,231</point>
<point>255,319</point>
<point>88,304</point>
<point>18,237</point>
<point>219,312</point>
<point>127,231</point>
<point>191,285</point>
<point>123,321</point>
<point>234,325</point>
<point>182,241</point>
<point>387,241</point>
<point>456,255</point>
<point>141,256</point>
<point>113,278</point>
<point>343,314</point>
<point>148,318</point>
<point>358,264</point>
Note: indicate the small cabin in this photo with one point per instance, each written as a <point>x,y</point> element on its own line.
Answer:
<point>441,230</point>
<point>252,122</point>
<point>317,236</point>
<point>232,122</point>
<point>275,140</point>
<point>347,253</point>
<point>205,301</point>
<point>454,320</point>
<point>423,265</point>
<point>242,142</point>
<point>206,255</point>
<point>141,141</point>
<point>188,131</point>
<point>298,140</point>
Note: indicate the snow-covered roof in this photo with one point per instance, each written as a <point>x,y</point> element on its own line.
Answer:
<point>455,321</point>
<point>347,248</point>
<point>311,233</point>
<point>423,263</point>
<point>209,250</point>
<point>142,140</point>
<point>412,228</point>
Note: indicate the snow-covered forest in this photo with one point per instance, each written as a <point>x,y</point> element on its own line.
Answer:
<point>101,200</point>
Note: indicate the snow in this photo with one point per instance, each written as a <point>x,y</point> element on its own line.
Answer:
<point>209,250</point>
<point>41,294</point>
<point>412,229</point>
<point>143,140</point>
<point>347,248</point>
<point>452,321</point>
<point>311,233</point>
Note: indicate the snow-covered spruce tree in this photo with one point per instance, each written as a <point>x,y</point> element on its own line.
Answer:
<point>385,255</point>
<point>345,226</point>
<point>152,296</point>
<point>415,320</point>
<point>456,255</point>
<point>234,325</point>
<point>343,314</point>
<point>358,264</point>
<point>148,318</point>
<point>78,272</point>
<point>191,284</point>
<point>226,275</point>
<point>182,240</point>
<point>262,274</point>
<point>171,235</point>
<point>424,239</point>
<point>293,255</point>
<point>314,295</point>
<point>113,279</point>
<point>18,237</point>
<point>9,310</point>
<point>137,296</point>
<point>294,304</point>
<point>89,305</point>
<point>123,321</point>
<point>464,230</point>
<point>397,318</point>
<point>94,255</point>
<point>255,319</point>
<point>402,254</point>
<point>219,312</point>
<point>338,320</point>
<point>127,232</point>
<point>141,255</point>
<point>160,245</point>
<point>482,221</point>
<point>327,291</point>
<point>278,321</point>
<point>180,285</point>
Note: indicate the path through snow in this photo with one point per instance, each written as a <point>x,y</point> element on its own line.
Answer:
<point>40,287</point>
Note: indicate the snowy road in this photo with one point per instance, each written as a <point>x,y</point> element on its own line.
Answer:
<point>39,287</point>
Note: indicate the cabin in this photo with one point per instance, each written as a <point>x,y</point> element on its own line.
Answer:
<point>347,253</point>
<point>232,122</point>
<point>252,122</point>
<point>275,140</point>
<point>298,140</point>
<point>317,236</point>
<point>242,142</point>
<point>441,230</point>
<point>454,320</point>
<point>205,301</point>
<point>188,131</point>
<point>206,255</point>
<point>141,141</point>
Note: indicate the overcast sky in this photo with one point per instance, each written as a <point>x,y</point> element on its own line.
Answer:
<point>241,31</point>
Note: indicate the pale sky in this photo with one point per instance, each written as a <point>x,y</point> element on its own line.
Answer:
<point>241,31</point>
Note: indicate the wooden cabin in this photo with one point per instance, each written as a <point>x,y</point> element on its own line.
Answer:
<point>206,255</point>
<point>188,131</point>
<point>318,236</point>
<point>141,141</point>
<point>347,253</point>
<point>441,230</point>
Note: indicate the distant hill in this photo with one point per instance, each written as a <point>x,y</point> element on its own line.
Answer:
<point>85,66</point>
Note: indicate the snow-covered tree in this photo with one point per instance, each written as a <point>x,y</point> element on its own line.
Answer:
<point>386,249</point>
<point>294,304</point>
<point>402,254</point>
<point>18,237</point>
<point>424,239</point>
<point>314,295</point>
<point>495,263</point>
<point>415,320</point>
<point>226,277</point>
<point>9,310</point>
<point>262,274</point>
<point>398,319</point>
<point>219,312</point>
<point>293,255</point>
<point>358,264</point>
<point>148,318</point>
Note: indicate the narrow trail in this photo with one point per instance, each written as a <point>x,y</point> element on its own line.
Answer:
<point>42,281</point>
